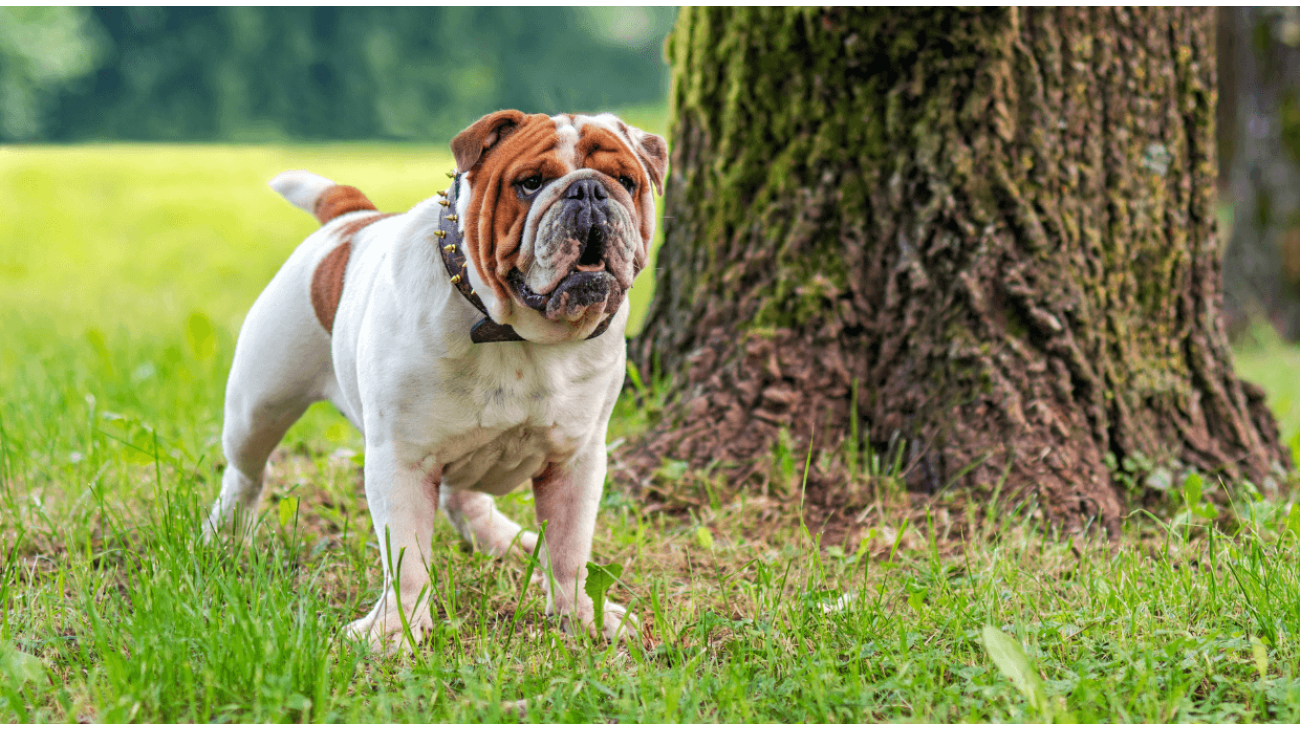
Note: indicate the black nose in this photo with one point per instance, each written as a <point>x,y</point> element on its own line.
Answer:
<point>588,189</point>
<point>586,205</point>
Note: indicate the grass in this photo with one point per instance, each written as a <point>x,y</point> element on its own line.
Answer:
<point>124,272</point>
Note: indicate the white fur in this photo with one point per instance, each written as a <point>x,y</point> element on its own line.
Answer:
<point>301,188</point>
<point>566,133</point>
<point>435,409</point>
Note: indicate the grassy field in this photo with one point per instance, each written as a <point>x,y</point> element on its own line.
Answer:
<point>124,274</point>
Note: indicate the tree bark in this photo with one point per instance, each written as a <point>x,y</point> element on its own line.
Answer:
<point>1262,264</point>
<point>995,227</point>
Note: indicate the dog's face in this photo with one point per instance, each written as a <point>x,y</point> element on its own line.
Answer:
<point>558,213</point>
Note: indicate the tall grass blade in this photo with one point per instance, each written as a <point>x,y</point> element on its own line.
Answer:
<point>1010,659</point>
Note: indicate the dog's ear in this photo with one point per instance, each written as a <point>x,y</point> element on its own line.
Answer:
<point>469,145</point>
<point>653,151</point>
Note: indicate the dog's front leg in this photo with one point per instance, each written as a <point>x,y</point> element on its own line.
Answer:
<point>403,501</point>
<point>567,496</point>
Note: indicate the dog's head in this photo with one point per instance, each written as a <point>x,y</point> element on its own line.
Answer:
<point>558,213</point>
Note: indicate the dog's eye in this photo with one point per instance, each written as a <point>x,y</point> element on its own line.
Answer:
<point>627,182</point>
<point>530,184</point>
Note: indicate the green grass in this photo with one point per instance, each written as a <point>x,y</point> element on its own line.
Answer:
<point>124,272</point>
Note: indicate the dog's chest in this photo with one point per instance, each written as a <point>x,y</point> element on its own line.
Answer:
<point>508,418</point>
<point>505,461</point>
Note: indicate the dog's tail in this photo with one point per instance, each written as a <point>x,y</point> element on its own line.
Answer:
<point>319,196</point>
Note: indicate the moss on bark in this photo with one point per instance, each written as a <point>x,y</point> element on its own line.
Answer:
<point>999,223</point>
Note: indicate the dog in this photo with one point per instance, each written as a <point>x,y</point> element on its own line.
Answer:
<point>476,341</point>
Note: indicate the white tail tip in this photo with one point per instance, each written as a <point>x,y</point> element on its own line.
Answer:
<point>301,188</point>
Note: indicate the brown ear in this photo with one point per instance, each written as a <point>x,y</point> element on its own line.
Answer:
<point>469,145</point>
<point>653,151</point>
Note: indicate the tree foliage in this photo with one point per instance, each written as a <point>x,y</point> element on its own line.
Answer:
<point>315,73</point>
<point>42,51</point>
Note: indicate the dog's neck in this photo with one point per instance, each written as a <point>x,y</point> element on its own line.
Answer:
<point>450,243</point>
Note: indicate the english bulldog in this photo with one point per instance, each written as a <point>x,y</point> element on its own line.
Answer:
<point>476,341</point>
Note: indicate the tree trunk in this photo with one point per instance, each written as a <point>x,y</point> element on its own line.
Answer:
<point>995,227</point>
<point>1262,264</point>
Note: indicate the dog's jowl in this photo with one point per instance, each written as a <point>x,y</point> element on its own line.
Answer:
<point>476,341</point>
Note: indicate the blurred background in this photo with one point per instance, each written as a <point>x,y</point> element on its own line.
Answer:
<point>241,74</point>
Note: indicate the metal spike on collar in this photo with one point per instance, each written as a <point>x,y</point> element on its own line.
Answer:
<point>452,218</point>
<point>450,247</point>
<point>444,203</point>
<point>440,234</point>
<point>455,279</point>
<point>452,174</point>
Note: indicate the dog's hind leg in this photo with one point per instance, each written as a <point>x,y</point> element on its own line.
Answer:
<point>476,517</point>
<point>251,432</point>
<point>281,365</point>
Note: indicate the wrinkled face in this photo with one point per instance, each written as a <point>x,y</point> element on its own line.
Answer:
<point>558,215</point>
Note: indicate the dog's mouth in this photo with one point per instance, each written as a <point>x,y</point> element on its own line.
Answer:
<point>577,294</point>
<point>592,257</point>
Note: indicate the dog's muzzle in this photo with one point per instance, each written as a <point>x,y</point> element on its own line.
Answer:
<point>576,292</point>
<point>585,216</point>
<point>581,230</point>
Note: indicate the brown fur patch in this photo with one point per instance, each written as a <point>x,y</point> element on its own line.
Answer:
<point>340,199</point>
<point>327,284</point>
<point>349,229</point>
<point>469,145</point>
<point>327,281</point>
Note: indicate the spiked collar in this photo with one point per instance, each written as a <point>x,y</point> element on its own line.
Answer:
<point>450,244</point>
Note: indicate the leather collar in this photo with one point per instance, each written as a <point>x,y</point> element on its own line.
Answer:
<point>450,244</point>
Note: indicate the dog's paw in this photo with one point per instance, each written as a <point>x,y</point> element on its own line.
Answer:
<point>619,624</point>
<point>384,631</point>
<point>527,541</point>
<point>212,533</point>
<point>233,526</point>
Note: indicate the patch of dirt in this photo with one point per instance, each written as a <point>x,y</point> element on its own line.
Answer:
<point>766,396</point>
